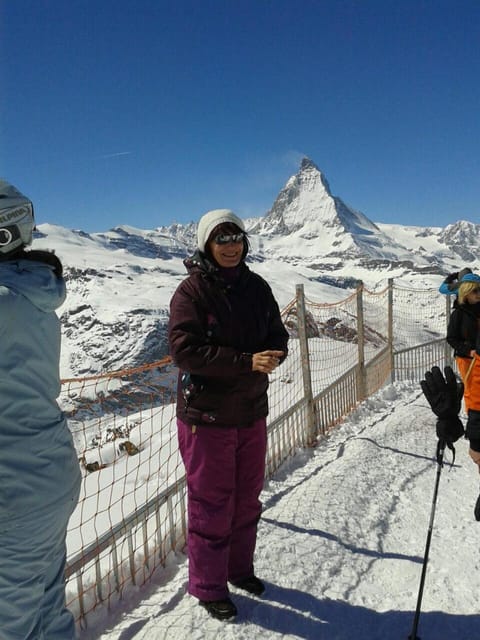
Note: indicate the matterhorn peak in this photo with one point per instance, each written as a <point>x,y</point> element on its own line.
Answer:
<point>307,218</point>
<point>307,163</point>
<point>310,173</point>
<point>304,202</point>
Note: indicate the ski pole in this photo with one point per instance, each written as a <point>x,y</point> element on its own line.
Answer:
<point>440,451</point>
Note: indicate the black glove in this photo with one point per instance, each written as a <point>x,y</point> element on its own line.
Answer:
<point>444,395</point>
<point>451,278</point>
<point>450,429</point>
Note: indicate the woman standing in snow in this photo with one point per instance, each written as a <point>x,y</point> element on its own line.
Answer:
<point>463,335</point>
<point>463,327</point>
<point>226,336</point>
<point>39,470</point>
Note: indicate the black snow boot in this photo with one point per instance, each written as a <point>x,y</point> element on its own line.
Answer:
<point>220,609</point>
<point>251,584</point>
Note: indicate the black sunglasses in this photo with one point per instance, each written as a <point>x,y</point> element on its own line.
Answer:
<point>226,238</point>
<point>476,290</point>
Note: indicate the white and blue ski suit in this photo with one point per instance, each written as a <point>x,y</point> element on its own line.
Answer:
<point>39,470</point>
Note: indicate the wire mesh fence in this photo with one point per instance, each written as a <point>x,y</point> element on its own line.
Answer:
<point>131,506</point>
<point>132,513</point>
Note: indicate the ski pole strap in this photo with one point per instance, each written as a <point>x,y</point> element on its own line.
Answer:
<point>469,370</point>
<point>441,444</point>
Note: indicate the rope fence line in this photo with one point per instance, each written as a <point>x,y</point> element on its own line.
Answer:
<point>132,510</point>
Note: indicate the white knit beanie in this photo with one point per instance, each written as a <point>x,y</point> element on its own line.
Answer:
<point>212,219</point>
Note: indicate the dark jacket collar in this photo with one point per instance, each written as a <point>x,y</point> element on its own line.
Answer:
<point>200,263</point>
<point>470,309</point>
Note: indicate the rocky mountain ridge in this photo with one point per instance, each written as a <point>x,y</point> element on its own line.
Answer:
<point>120,281</point>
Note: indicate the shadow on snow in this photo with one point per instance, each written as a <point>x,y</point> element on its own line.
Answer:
<point>311,618</point>
<point>350,547</point>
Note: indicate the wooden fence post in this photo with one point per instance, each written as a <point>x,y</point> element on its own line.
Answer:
<point>305,358</point>
<point>390,329</point>
<point>361,376</point>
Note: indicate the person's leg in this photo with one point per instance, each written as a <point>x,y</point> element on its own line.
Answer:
<point>250,475</point>
<point>32,591</point>
<point>21,586</point>
<point>209,457</point>
<point>58,621</point>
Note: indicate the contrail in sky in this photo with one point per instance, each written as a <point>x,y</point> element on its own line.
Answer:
<point>115,155</point>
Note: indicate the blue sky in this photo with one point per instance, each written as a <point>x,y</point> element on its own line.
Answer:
<point>152,112</point>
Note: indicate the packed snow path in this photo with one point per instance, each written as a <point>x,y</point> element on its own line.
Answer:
<point>341,544</point>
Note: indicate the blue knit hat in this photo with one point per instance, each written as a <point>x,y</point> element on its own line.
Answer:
<point>470,277</point>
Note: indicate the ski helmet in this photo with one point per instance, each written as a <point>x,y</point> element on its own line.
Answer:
<point>16,219</point>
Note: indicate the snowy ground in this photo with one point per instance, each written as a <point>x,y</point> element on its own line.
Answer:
<point>341,544</point>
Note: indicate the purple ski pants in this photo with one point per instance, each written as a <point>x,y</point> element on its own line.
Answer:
<point>225,472</point>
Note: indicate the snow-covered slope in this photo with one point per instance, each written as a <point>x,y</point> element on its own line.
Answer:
<point>119,285</point>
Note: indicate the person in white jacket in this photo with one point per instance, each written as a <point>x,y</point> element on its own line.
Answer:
<point>39,470</point>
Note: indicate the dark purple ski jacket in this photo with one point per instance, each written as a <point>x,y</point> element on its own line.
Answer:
<point>463,327</point>
<point>215,326</point>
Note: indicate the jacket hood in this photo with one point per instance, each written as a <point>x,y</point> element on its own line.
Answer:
<point>34,280</point>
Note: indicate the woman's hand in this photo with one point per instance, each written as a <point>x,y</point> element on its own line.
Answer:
<point>475,456</point>
<point>266,361</point>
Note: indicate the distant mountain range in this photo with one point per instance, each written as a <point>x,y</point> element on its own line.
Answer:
<point>120,282</point>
